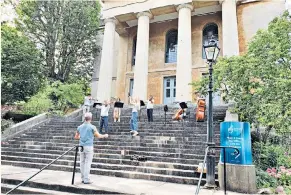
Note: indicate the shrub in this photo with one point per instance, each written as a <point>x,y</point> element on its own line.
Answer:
<point>5,124</point>
<point>267,155</point>
<point>38,104</point>
<point>66,96</point>
<point>57,98</point>
<point>264,180</point>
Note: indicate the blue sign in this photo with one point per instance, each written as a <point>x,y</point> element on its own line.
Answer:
<point>238,135</point>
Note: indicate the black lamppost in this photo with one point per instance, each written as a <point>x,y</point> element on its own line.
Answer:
<point>211,53</point>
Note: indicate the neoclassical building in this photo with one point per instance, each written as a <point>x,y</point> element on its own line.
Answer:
<point>154,47</point>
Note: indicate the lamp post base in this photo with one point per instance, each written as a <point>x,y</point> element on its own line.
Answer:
<point>210,170</point>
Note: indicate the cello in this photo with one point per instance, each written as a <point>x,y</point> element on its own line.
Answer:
<point>200,111</point>
<point>178,114</point>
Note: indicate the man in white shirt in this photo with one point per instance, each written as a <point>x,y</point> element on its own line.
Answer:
<point>104,116</point>
<point>86,105</point>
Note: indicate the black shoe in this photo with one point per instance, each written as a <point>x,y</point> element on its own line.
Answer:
<point>90,182</point>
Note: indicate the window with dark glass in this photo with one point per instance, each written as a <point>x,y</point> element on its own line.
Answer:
<point>210,31</point>
<point>133,51</point>
<point>171,46</point>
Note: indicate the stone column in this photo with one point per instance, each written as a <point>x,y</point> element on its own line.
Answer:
<point>229,28</point>
<point>142,55</point>
<point>107,60</point>
<point>184,54</point>
<point>288,5</point>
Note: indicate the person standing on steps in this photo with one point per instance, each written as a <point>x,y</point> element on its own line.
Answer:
<point>116,112</point>
<point>150,107</point>
<point>85,134</point>
<point>86,106</point>
<point>104,116</point>
<point>135,103</point>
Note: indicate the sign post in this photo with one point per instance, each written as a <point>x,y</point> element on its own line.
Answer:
<point>241,175</point>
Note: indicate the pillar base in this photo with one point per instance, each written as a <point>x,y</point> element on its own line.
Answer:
<point>239,178</point>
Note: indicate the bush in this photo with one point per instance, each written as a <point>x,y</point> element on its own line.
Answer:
<point>57,98</point>
<point>264,180</point>
<point>38,104</point>
<point>5,124</point>
<point>267,155</point>
<point>66,96</point>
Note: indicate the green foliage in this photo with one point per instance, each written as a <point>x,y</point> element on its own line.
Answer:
<point>5,124</point>
<point>66,96</point>
<point>267,155</point>
<point>264,180</point>
<point>259,82</point>
<point>66,33</point>
<point>56,98</point>
<point>40,103</point>
<point>20,66</point>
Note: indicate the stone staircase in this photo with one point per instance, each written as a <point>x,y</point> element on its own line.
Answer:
<point>173,149</point>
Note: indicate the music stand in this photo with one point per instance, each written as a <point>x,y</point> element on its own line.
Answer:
<point>141,104</point>
<point>166,109</point>
<point>183,105</point>
<point>95,106</point>
<point>118,105</point>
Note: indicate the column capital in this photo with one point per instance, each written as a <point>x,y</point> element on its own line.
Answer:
<point>185,6</point>
<point>112,20</point>
<point>148,14</point>
<point>221,1</point>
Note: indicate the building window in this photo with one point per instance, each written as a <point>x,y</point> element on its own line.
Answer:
<point>171,46</point>
<point>209,31</point>
<point>133,51</point>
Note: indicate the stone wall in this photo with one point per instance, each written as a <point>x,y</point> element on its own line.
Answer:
<point>254,16</point>
<point>158,69</point>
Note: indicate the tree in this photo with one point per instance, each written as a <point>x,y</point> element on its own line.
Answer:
<point>21,66</point>
<point>65,31</point>
<point>259,82</point>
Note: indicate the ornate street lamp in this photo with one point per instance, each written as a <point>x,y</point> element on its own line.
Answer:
<point>211,53</point>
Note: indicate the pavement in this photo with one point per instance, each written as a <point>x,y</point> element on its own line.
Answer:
<point>123,185</point>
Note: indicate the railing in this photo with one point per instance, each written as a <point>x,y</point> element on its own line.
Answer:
<point>224,165</point>
<point>76,153</point>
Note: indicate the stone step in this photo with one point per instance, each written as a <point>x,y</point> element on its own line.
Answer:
<point>107,158</point>
<point>179,148</point>
<point>175,158</point>
<point>142,132</point>
<point>170,140</point>
<point>35,187</point>
<point>196,150</point>
<point>28,190</point>
<point>69,161</point>
<point>120,142</point>
<point>115,173</point>
<point>106,151</point>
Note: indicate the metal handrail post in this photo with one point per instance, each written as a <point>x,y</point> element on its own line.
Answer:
<point>41,170</point>
<point>75,162</point>
<point>200,178</point>
<point>224,165</point>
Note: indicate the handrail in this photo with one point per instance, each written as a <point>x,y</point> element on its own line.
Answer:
<point>224,165</point>
<point>75,147</point>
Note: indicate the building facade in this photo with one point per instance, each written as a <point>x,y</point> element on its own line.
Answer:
<point>154,47</point>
